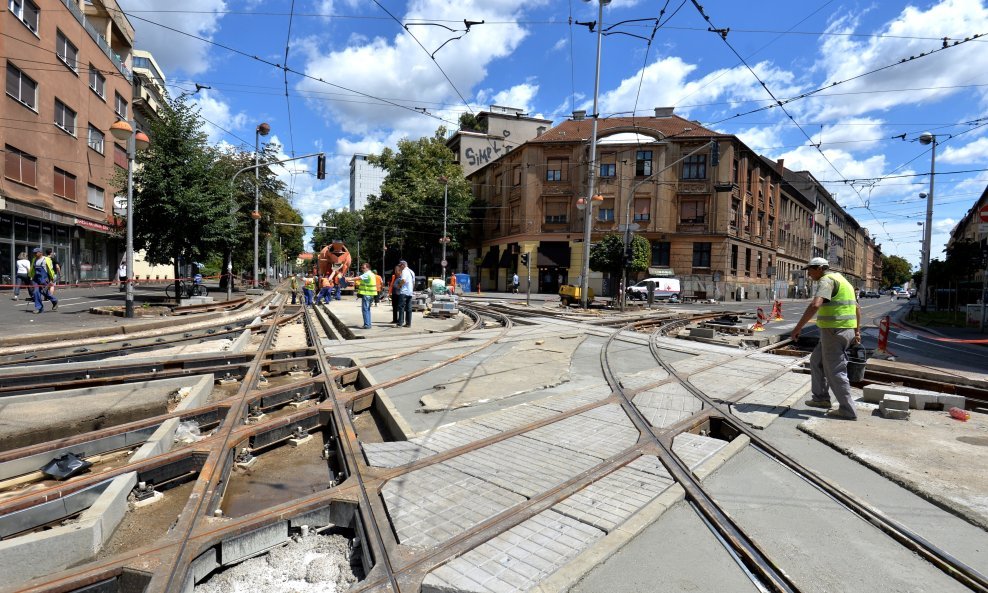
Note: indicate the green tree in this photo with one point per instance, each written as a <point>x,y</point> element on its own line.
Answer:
<point>349,229</point>
<point>408,215</point>
<point>895,270</point>
<point>607,255</point>
<point>180,202</point>
<point>469,121</point>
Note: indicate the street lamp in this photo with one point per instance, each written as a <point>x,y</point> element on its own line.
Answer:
<point>591,175</point>
<point>124,131</point>
<point>262,130</point>
<point>445,238</point>
<point>927,138</point>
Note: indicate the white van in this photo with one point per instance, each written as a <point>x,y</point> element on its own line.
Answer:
<point>665,288</point>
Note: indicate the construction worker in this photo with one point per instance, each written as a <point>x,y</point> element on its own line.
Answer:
<point>308,288</point>
<point>294,285</point>
<point>838,318</point>
<point>325,290</point>
<point>379,284</point>
<point>366,291</point>
<point>452,284</point>
<point>43,278</point>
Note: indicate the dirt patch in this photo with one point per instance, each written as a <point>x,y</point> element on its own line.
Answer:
<point>931,454</point>
<point>141,526</point>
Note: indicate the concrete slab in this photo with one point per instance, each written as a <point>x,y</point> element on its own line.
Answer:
<point>930,453</point>
<point>766,403</point>
<point>431,505</point>
<point>667,404</point>
<point>640,379</point>
<point>694,449</point>
<point>919,399</point>
<point>514,417</point>
<point>584,434</point>
<point>523,465</point>
<point>563,402</point>
<point>394,454</point>
<point>454,435</point>
<point>517,559</point>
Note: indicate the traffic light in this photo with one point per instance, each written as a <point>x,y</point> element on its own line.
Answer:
<point>524,259</point>
<point>714,153</point>
<point>321,167</point>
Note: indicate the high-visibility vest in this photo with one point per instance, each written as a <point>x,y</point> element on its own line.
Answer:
<point>841,311</point>
<point>368,287</point>
<point>310,283</point>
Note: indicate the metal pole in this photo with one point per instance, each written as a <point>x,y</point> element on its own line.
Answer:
<point>984,300</point>
<point>257,196</point>
<point>588,212</point>
<point>131,150</point>
<point>444,240</point>
<point>928,229</point>
<point>267,259</point>
<point>384,248</point>
<point>528,287</point>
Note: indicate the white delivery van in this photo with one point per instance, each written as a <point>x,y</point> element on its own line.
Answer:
<point>665,289</point>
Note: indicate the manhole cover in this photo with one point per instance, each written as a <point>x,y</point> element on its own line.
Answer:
<point>979,441</point>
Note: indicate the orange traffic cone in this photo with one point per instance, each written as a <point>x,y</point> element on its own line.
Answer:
<point>760,323</point>
<point>777,311</point>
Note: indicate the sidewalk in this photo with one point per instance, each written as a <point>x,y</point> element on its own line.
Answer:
<point>347,310</point>
<point>967,335</point>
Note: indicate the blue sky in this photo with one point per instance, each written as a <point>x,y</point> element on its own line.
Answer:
<point>359,81</point>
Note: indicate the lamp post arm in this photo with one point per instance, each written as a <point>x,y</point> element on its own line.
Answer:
<point>266,163</point>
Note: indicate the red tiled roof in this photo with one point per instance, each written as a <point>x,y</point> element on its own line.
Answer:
<point>580,130</point>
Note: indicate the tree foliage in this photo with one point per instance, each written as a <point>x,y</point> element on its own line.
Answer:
<point>895,270</point>
<point>349,229</point>
<point>408,215</point>
<point>469,121</point>
<point>608,254</point>
<point>180,200</point>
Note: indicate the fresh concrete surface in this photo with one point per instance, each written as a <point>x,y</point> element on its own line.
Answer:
<point>930,453</point>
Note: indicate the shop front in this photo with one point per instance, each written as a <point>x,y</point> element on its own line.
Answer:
<point>21,234</point>
<point>94,251</point>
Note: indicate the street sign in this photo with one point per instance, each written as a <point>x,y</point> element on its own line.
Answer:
<point>984,213</point>
<point>983,229</point>
<point>629,227</point>
<point>443,263</point>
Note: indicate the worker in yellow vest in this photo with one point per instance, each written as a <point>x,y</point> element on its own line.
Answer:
<point>366,291</point>
<point>838,318</point>
<point>308,289</point>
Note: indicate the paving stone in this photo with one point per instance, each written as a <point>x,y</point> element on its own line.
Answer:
<point>667,404</point>
<point>894,402</point>
<point>612,413</point>
<point>514,417</point>
<point>918,398</point>
<point>643,378</point>
<point>694,449</point>
<point>607,503</point>
<point>586,435</point>
<point>455,435</point>
<point>517,559</point>
<point>523,465</point>
<point>394,454</point>
<point>433,504</point>
<point>563,402</point>
<point>766,403</point>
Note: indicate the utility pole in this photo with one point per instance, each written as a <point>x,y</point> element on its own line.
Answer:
<point>592,176</point>
<point>384,248</point>
<point>445,239</point>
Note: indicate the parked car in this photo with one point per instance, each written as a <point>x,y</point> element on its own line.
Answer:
<point>870,294</point>
<point>902,295</point>
<point>665,288</point>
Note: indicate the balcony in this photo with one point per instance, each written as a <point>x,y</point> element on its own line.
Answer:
<point>692,225</point>
<point>99,39</point>
<point>693,187</point>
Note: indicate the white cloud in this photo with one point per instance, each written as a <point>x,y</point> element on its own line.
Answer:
<point>174,52</point>
<point>972,152</point>
<point>944,225</point>
<point>218,111</point>
<point>562,43</point>
<point>401,71</point>
<point>845,56</point>
<point>520,96</point>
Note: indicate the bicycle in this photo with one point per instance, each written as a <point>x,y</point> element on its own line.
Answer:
<point>186,290</point>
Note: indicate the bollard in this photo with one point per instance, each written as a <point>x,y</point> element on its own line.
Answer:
<point>777,311</point>
<point>883,336</point>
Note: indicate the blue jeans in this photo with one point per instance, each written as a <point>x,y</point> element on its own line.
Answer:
<point>324,295</point>
<point>307,293</point>
<point>294,296</point>
<point>365,305</point>
<point>405,310</point>
<point>41,292</point>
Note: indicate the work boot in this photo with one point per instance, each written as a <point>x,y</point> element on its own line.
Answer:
<point>841,414</point>
<point>819,403</point>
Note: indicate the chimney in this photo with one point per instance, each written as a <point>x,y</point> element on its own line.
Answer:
<point>779,166</point>
<point>579,114</point>
<point>540,130</point>
<point>664,111</point>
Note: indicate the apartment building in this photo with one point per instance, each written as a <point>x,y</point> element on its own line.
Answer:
<point>795,237</point>
<point>502,129</point>
<point>67,81</point>
<point>968,228</point>
<point>365,181</point>
<point>712,225</point>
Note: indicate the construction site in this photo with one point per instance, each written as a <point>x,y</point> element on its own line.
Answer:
<point>257,445</point>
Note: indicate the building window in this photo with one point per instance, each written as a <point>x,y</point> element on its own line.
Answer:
<point>95,139</point>
<point>758,265</point>
<point>608,170</point>
<point>701,255</point>
<point>20,166</point>
<point>606,211</point>
<point>555,212</point>
<point>643,163</point>
<point>660,253</point>
<point>734,172</point>
<point>555,170</point>
<point>97,81</point>
<point>643,208</point>
<point>25,11</point>
<point>695,167</point>
<point>120,156</point>
<point>64,184</point>
<point>20,87</point>
<point>516,175</point>
<point>734,260</point>
<point>692,212</point>
<point>66,51</point>
<point>735,213</point>
<point>119,105</point>
<point>64,117</point>
<point>95,197</point>
<point>747,262</point>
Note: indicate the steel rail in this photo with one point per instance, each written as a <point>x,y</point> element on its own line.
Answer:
<point>754,559</point>
<point>952,566</point>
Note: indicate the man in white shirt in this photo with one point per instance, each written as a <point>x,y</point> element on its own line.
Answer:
<point>405,282</point>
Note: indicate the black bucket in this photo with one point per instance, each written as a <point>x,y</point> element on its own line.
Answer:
<point>857,359</point>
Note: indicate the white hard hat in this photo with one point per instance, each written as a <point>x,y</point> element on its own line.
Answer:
<point>817,262</point>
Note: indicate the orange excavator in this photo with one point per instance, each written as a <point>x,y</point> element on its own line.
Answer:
<point>334,261</point>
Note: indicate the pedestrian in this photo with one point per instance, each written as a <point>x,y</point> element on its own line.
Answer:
<point>308,287</point>
<point>294,285</point>
<point>406,286</point>
<point>514,283</point>
<point>55,265</point>
<point>22,275</point>
<point>379,285</point>
<point>395,294</point>
<point>42,279</point>
<point>366,291</point>
<point>122,274</point>
<point>452,284</point>
<point>838,318</point>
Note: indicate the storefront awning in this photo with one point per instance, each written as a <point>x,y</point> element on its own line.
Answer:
<point>554,254</point>
<point>506,260</point>
<point>94,226</point>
